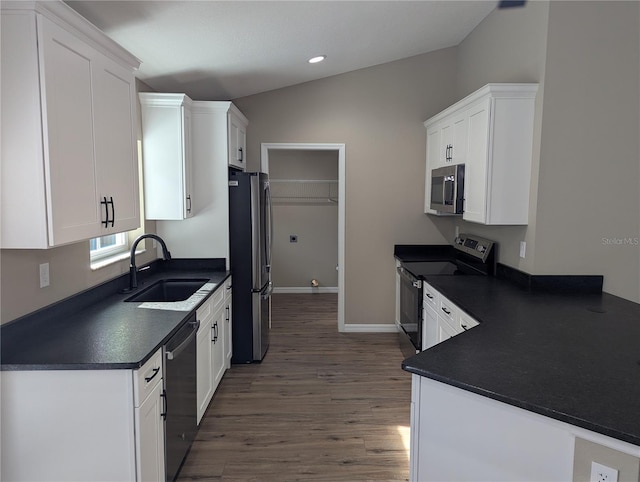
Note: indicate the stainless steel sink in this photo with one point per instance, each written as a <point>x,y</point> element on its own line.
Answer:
<point>169,290</point>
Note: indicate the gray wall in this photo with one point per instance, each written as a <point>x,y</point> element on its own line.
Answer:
<point>378,114</point>
<point>589,185</point>
<point>585,179</point>
<point>315,254</point>
<point>69,270</point>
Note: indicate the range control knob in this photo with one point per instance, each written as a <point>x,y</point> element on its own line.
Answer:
<point>481,248</point>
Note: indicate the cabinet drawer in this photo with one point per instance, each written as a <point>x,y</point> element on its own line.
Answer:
<point>147,377</point>
<point>213,303</point>
<point>448,311</point>
<point>466,322</point>
<point>430,296</point>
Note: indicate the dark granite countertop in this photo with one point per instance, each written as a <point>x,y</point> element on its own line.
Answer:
<point>96,329</point>
<point>573,357</point>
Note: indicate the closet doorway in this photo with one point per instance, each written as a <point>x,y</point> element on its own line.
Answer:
<point>300,190</point>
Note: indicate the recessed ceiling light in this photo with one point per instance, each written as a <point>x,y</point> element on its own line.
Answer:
<point>315,60</point>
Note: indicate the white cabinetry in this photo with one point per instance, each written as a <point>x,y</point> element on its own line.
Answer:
<point>491,132</point>
<point>149,415</point>
<point>204,363</point>
<point>237,139</point>
<point>90,425</point>
<point>210,156</point>
<point>69,167</point>
<point>213,353</point>
<point>442,319</point>
<point>430,327</point>
<point>166,151</point>
<point>228,324</point>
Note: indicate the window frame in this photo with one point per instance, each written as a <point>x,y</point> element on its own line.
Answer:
<point>102,253</point>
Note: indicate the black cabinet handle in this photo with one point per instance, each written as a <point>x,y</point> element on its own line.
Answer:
<point>214,328</point>
<point>106,211</point>
<point>113,211</point>
<point>165,404</point>
<point>464,327</point>
<point>241,159</point>
<point>155,372</point>
<point>429,296</point>
<point>188,203</point>
<point>446,311</point>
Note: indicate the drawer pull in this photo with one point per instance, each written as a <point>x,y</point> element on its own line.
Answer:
<point>446,310</point>
<point>155,372</point>
<point>464,327</point>
<point>429,296</point>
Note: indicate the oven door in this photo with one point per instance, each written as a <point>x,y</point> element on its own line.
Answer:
<point>411,307</point>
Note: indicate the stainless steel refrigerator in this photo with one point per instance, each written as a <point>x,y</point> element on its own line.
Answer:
<point>250,237</point>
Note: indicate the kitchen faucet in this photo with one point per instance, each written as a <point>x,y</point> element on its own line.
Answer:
<point>133,271</point>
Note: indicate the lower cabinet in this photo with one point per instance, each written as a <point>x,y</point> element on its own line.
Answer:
<point>441,318</point>
<point>217,346</point>
<point>213,346</point>
<point>204,358</point>
<point>149,415</point>
<point>89,425</point>
<point>228,324</point>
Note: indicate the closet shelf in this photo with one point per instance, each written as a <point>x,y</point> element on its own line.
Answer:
<point>304,191</point>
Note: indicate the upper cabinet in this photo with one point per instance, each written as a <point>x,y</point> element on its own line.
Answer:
<point>69,165</point>
<point>237,131</point>
<point>491,133</point>
<point>166,153</point>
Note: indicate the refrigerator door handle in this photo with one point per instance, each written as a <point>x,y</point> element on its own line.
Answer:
<point>269,227</point>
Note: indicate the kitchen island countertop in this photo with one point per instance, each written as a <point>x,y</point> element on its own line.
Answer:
<point>573,357</point>
<point>97,330</point>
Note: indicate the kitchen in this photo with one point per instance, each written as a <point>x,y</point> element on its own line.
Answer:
<point>550,44</point>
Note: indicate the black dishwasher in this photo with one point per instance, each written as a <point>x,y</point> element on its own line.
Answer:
<point>180,385</point>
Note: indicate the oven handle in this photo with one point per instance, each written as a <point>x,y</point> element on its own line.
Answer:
<point>416,283</point>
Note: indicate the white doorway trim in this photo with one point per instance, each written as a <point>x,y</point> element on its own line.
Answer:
<point>340,149</point>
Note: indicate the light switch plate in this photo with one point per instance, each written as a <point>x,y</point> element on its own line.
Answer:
<point>523,249</point>
<point>44,275</point>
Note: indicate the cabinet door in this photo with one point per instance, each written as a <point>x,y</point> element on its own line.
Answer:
<point>460,141</point>
<point>204,357</point>
<point>187,171</point>
<point>150,437</point>
<point>66,65</point>
<point>217,346</point>
<point>166,152</point>
<point>204,363</point>
<point>433,156</point>
<point>237,143</point>
<point>475,177</point>
<point>116,156</point>
<point>430,328</point>
<point>228,339</point>
<point>445,331</point>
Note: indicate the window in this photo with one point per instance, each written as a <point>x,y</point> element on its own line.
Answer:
<point>106,246</point>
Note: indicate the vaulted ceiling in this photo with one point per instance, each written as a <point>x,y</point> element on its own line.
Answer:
<point>220,50</point>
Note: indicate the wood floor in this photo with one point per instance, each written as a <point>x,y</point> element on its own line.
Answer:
<point>322,406</point>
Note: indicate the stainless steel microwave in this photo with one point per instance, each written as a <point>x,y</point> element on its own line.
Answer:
<point>447,189</point>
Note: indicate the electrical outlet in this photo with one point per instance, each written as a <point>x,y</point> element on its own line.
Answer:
<point>523,249</point>
<point>602,473</point>
<point>44,275</point>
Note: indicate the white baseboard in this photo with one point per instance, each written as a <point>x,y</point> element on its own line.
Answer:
<point>306,289</point>
<point>370,328</point>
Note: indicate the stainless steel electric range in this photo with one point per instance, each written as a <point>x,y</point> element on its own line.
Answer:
<point>471,256</point>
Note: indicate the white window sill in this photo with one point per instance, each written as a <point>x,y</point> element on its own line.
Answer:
<point>116,258</point>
